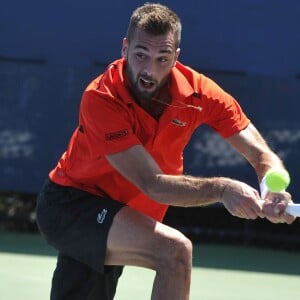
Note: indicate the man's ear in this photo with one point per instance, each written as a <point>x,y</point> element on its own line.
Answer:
<point>124,48</point>
<point>176,56</point>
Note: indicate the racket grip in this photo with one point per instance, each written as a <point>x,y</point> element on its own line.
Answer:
<point>293,209</point>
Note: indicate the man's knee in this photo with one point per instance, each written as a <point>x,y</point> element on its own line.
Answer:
<point>176,255</point>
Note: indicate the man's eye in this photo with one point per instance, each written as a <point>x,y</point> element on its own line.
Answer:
<point>163,59</point>
<point>140,56</point>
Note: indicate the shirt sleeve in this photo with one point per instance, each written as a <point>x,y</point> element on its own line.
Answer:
<point>222,112</point>
<point>106,124</point>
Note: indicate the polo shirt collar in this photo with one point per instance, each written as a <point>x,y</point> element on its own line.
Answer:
<point>180,86</point>
<point>121,83</point>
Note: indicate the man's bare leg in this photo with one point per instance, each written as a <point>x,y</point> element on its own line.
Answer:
<point>137,240</point>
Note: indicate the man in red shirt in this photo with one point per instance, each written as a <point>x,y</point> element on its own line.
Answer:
<point>103,205</point>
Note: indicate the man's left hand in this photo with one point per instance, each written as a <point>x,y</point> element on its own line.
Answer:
<point>274,208</point>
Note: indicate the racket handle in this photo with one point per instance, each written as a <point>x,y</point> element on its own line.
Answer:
<point>293,209</point>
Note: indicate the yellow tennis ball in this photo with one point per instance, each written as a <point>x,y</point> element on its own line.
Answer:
<point>277,180</point>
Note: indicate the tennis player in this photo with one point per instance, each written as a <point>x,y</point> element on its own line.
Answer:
<point>103,205</point>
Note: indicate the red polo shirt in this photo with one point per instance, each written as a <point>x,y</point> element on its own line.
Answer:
<point>111,121</point>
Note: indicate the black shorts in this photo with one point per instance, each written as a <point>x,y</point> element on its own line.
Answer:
<point>76,223</point>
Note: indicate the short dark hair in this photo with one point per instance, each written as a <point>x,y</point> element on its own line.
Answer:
<point>155,19</point>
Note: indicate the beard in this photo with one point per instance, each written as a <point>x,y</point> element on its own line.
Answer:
<point>137,81</point>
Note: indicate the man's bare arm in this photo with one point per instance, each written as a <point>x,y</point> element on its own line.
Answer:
<point>254,148</point>
<point>137,165</point>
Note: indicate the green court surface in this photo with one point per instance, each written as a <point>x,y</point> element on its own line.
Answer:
<point>221,272</point>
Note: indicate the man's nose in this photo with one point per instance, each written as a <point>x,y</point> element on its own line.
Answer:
<point>149,68</point>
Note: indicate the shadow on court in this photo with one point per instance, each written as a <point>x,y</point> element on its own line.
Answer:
<point>24,243</point>
<point>214,256</point>
<point>244,258</point>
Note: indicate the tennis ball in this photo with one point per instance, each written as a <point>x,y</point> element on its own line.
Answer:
<point>277,180</point>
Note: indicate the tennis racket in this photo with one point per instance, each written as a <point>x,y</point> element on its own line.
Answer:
<point>293,209</point>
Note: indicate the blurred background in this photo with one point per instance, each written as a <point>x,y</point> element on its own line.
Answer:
<point>50,50</point>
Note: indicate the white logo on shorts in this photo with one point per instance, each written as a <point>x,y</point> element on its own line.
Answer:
<point>101,216</point>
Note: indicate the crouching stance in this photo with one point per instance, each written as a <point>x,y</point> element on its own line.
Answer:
<point>103,205</point>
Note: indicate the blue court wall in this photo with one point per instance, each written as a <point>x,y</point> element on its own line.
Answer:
<point>242,35</point>
<point>49,51</point>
